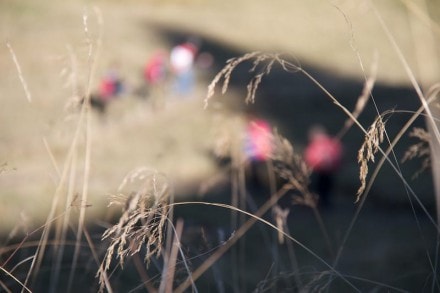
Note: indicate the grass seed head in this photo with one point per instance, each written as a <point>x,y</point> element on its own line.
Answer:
<point>142,223</point>
<point>262,64</point>
<point>419,150</point>
<point>372,141</point>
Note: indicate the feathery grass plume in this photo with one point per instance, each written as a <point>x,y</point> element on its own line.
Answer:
<point>419,150</point>
<point>142,223</point>
<point>262,63</point>
<point>373,138</point>
<point>225,73</point>
<point>289,165</point>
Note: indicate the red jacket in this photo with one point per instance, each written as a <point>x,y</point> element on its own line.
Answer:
<point>155,69</point>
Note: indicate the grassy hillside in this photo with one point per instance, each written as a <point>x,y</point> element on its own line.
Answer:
<point>47,37</point>
<point>59,169</point>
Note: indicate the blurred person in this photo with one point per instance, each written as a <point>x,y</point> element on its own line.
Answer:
<point>258,140</point>
<point>155,75</point>
<point>182,59</point>
<point>111,85</point>
<point>257,149</point>
<point>323,155</point>
<point>155,70</point>
<point>204,61</point>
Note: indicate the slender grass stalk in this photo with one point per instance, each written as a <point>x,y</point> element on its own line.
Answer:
<point>20,73</point>
<point>3,285</point>
<point>62,227</point>
<point>293,259</point>
<point>23,286</point>
<point>168,279</point>
<point>167,264</point>
<point>52,158</point>
<point>96,259</point>
<point>64,224</point>
<point>94,52</point>
<point>22,244</point>
<point>39,254</point>
<point>379,284</point>
<point>140,267</point>
<point>241,247</point>
<point>237,186</point>
<point>324,231</point>
<point>421,13</point>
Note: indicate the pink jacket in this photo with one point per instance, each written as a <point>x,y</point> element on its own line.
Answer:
<point>323,154</point>
<point>258,144</point>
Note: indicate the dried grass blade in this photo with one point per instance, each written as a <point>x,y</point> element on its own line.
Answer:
<point>20,73</point>
<point>362,99</point>
<point>172,260</point>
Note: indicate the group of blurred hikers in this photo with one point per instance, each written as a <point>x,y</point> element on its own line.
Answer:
<point>163,70</point>
<point>174,71</point>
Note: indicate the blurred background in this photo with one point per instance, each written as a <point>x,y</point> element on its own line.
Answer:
<point>64,48</point>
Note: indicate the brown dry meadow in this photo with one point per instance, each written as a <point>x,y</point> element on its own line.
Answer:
<point>159,200</point>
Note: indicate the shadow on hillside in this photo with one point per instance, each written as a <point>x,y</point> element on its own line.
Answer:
<point>386,245</point>
<point>293,103</point>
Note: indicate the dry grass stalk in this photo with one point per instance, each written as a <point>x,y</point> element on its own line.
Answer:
<point>280,216</point>
<point>70,72</point>
<point>142,223</point>
<point>20,73</point>
<point>23,286</point>
<point>362,99</point>
<point>291,167</point>
<point>96,259</point>
<point>373,138</point>
<point>170,266</point>
<point>85,119</point>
